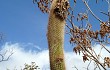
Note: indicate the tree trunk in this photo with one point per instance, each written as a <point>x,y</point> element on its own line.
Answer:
<point>55,36</point>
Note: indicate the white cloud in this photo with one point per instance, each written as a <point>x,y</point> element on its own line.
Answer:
<point>20,57</point>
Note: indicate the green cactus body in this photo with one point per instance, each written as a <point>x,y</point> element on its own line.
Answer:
<point>55,36</point>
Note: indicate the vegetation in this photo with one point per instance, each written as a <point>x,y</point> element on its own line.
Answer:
<point>31,66</point>
<point>4,55</point>
<point>55,34</point>
<point>83,36</point>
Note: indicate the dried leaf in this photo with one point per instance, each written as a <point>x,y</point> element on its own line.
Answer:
<point>107,61</point>
<point>77,49</point>
<point>85,58</point>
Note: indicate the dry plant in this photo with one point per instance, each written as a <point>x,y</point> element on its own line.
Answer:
<point>4,55</point>
<point>33,66</point>
<point>83,36</point>
<point>58,10</point>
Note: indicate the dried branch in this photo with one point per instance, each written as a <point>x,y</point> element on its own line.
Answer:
<point>83,37</point>
<point>88,65</point>
<point>104,13</point>
<point>3,58</point>
<point>75,67</point>
<point>95,59</point>
<point>105,47</point>
<point>91,11</point>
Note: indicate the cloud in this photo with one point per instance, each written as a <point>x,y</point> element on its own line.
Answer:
<point>23,55</point>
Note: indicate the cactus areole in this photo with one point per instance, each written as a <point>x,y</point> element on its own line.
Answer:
<point>55,34</point>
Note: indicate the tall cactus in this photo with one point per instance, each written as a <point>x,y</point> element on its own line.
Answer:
<point>56,26</point>
<point>55,34</point>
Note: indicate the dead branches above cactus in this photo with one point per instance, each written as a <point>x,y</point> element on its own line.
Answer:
<point>84,37</point>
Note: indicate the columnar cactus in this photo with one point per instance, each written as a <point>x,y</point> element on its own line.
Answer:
<point>55,34</point>
<point>57,14</point>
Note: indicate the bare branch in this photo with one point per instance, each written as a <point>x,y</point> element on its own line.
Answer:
<point>104,13</point>
<point>91,11</point>
<point>3,58</point>
<point>75,67</point>
<point>105,48</point>
<point>95,59</point>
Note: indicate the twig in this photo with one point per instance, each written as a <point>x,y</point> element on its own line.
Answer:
<point>104,13</point>
<point>71,22</point>
<point>95,59</point>
<point>107,1</point>
<point>68,27</point>
<point>88,65</point>
<point>75,67</point>
<point>91,11</point>
<point>105,48</point>
<point>2,57</point>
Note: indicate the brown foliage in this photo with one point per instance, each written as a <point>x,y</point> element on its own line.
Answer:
<point>107,61</point>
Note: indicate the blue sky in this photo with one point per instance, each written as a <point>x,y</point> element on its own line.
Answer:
<point>25,26</point>
<point>22,21</point>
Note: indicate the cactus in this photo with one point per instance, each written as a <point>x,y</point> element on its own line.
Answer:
<point>57,10</point>
<point>55,36</point>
